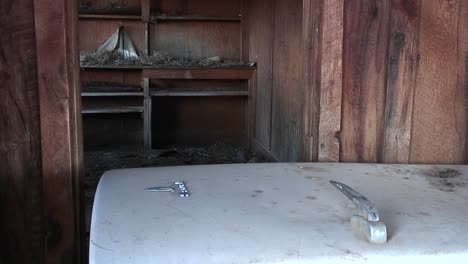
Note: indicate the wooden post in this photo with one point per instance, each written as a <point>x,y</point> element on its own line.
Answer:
<point>21,218</point>
<point>59,98</point>
<point>311,76</point>
<point>147,115</point>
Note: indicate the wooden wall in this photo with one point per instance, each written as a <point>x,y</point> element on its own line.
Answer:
<point>404,99</point>
<point>382,81</point>
<point>275,43</point>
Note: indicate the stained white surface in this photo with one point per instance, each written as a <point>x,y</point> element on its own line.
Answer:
<point>278,213</point>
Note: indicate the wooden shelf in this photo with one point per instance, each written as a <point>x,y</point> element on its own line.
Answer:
<point>239,73</point>
<point>162,67</point>
<point>112,67</point>
<point>112,110</point>
<point>103,16</point>
<point>188,92</point>
<point>193,18</point>
<point>110,94</point>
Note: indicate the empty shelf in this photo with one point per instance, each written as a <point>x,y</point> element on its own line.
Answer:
<point>101,16</point>
<point>112,110</point>
<point>110,94</point>
<point>186,92</point>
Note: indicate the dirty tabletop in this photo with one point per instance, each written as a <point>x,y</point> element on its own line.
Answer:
<point>279,213</point>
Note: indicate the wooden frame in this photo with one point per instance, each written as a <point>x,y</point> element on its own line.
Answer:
<point>245,73</point>
<point>59,99</point>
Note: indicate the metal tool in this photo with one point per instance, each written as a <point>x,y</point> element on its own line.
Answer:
<point>183,190</point>
<point>159,189</point>
<point>366,223</point>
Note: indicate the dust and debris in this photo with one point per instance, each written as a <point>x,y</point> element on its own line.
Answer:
<point>447,179</point>
<point>98,162</point>
<point>110,7</point>
<point>258,191</point>
<point>157,58</point>
<point>311,198</point>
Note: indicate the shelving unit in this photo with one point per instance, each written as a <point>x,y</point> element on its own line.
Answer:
<point>210,35</point>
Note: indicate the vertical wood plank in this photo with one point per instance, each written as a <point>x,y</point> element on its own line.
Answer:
<point>311,37</point>
<point>287,80</point>
<point>21,218</point>
<point>251,108</point>
<point>56,29</point>
<point>364,70</point>
<point>439,120</point>
<point>146,10</point>
<point>463,63</point>
<point>260,20</point>
<point>401,80</point>
<point>331,81</point>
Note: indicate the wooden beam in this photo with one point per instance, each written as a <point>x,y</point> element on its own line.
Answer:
<point>331,76</point>
<point>208,74</point>
<point>21,218</point>
<point>59,98</point>
<point>312,43</point>
<point>440,119</point>
<point>287,94</point>
<point>463,63</point>
<point>260,49</point>
<point>146,10</point>
<point>401,80</point>
<point>251,108</point>
<point>364,79</point>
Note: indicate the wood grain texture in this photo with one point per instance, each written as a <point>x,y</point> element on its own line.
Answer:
<point>331,81</point>
<point>364,70</point>
<point>226,8</point>
<point>208,73</point>
<point>463,62</point>
<point>287,80</point>
<point>21,218</point>
<point>401,80</point>
<point>260,17</point>
<point>197,39</point>
<point>439,120</point>
<point>312,43</point>
<point>146,10</point>
<point>93,32</point>
<point>56,30</point>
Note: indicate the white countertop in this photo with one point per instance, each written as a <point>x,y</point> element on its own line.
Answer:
<point>279,213</point>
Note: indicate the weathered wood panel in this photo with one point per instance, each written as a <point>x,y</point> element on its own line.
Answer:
<point>439,120</point>
<point>311,37</point>
<point>331,81</point>
<point>56,30</point>
<point>21,223</point>
<point>364,68</point>
<point>463,63</point>
<point>260,17</point>
<point>216,8</point>
<point>93,32</point>
<point>287,80</point>
<point>197,39</point>
<point>401,80</point>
